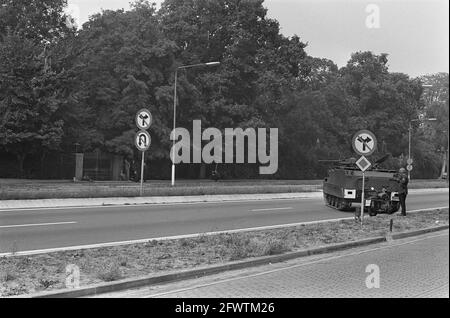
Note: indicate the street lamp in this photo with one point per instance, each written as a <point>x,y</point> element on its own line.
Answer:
<point>445,165</point>
<point>175,107</point>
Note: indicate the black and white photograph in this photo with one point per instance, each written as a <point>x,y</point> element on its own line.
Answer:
<point>224,156</point>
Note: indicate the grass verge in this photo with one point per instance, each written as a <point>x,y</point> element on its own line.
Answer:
<point>26,190</point>
<point>45,272</point>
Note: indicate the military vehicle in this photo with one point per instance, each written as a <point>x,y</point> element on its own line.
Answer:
<point>342,187</point>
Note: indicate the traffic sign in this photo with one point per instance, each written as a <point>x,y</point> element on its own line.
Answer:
<point>409,167</point>
<point>142,140</point>
<point>143,119</point>
<point>364,143</point>
<point>363,163</point>
<point>409,161</point>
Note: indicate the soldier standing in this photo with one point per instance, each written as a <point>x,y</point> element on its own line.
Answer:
<point>403,180</point>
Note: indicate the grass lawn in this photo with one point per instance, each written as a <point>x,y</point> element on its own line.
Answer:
<point>44,272</point>
<point>12,189</point>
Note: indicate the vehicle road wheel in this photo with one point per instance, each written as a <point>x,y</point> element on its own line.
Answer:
<point>342,205</point>
<point>395,206</point>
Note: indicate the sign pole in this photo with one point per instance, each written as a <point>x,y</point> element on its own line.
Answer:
<point>364,143</point>
<point>362,197</point>
<point>142,139</point>
<point>142,173</point>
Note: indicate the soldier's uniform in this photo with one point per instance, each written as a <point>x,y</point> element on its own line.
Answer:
<point>403,191</point>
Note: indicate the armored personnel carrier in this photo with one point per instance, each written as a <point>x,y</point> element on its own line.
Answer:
<point>342,187</point>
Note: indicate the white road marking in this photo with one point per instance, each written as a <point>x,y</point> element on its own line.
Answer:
<point>271,209</point>
<point>35,224</point>
<point>295,266</point>
<point>184,236</point>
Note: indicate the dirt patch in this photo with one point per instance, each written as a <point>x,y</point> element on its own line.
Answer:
<point>44,272</point>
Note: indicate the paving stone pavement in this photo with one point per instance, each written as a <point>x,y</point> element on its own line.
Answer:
<point>414,267</point>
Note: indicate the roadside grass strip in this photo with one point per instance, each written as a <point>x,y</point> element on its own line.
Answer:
<point>20,275</point>
<point>59,190</point>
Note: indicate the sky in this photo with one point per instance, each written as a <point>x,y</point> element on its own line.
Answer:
<point>415,33</point>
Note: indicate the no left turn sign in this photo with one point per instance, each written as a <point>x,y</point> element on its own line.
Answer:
<point>143,119</point>
<point>364,143</point>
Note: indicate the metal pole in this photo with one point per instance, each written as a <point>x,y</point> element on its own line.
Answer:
<point>445,165</point>
<point>142,174</point>
<point>409,148</point>
<point>174,126</point>
<point>175,107</point>
<point>362,197</point>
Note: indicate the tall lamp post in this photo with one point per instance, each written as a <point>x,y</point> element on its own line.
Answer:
<point>445,165</point>
<point>175,107</point>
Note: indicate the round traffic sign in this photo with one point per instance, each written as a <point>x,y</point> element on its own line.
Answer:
<point>142,140</point>
<point>364,142</point>
<point>409,167</point>
<point>143,119</point>
<point>409,161</point>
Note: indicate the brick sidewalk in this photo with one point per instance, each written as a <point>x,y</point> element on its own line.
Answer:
<point>417,267</point>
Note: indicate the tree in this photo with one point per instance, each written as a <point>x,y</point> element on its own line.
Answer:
<point>435,134</point>
<point>122,65</point>
<point>28,101</point>
<point>40,21</point>
<point>383,102</point>
<point>31,78</point>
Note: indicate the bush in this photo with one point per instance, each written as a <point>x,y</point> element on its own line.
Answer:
<point>7,276</point>
<point>110,273</point>
<point>275,246</point>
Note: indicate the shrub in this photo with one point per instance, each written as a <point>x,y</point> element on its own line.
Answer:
<point>110,273</point>
<point>7,276</point>
<point>275,246</point>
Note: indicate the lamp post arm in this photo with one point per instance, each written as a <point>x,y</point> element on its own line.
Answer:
<point>190,66</point>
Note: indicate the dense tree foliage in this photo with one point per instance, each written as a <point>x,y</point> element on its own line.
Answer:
<point>31,79</point>
<point>60,86</point>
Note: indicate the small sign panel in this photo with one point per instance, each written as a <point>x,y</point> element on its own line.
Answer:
<point>142,140</point>
<point>363,163</point>
<point>364,143</point>
<point>143,119</point>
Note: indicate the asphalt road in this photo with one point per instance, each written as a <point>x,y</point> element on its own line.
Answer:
<point>416,267</point>
<point>25,230</point>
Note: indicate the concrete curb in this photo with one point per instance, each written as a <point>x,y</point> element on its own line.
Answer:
<point>204,271</point>
<point>401,235</point>
<point>98,202</point>
<point>93,202</point>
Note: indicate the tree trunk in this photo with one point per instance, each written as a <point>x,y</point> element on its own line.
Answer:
<point>42,172</point>
<point>202,173</point>
<point>21,159</point>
